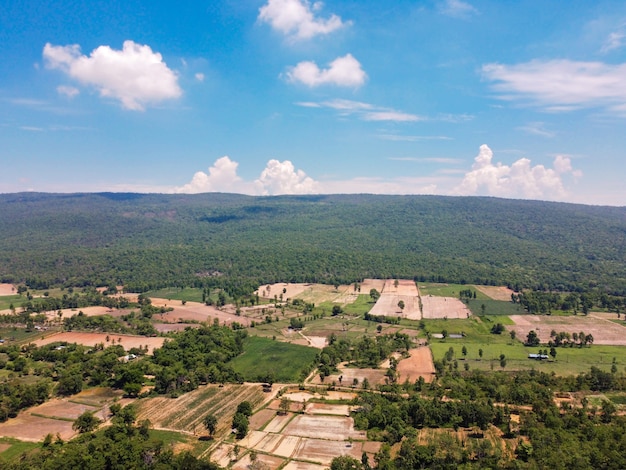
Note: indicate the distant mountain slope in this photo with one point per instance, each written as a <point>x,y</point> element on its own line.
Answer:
<point>151,240</point>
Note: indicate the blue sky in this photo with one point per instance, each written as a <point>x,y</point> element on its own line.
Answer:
<point>520,99</point>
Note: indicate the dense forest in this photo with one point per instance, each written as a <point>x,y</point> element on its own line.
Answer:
<point>239,242</point>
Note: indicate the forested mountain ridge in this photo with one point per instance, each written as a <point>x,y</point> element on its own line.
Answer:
<point>152,240</point>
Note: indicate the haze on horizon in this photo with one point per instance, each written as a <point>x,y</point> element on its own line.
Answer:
<point>269,97</point>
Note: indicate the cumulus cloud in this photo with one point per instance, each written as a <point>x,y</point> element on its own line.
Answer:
<point>276,178</point>
<point>561,85</point>
<point>343,71</point>
<point>519,180</point>
<point>296,18</point>
<point>199,77</point>
<point>283,178</point>
<point>222,177</point>
<point>134,75</point>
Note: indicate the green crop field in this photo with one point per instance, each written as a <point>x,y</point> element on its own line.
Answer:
<point>448,290</point>
<point>173,293</point>
<point>288,362</point>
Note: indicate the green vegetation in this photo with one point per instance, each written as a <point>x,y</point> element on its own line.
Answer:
<point>148,242</point>
<point>283,362</point>
<point>189,294</point>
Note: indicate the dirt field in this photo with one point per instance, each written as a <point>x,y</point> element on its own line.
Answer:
<point>91,339</point>
<point>186,412</point>
<point>314,293</point>
<point>194,311</point>
<point>404,287</point>
<point>496,292</point>
<point>373,376</point>
<point>7,289</point>
<point>87,311</point>
<point>169,327</point>
<point>596,324</point>
<point>444,307</point>
<point>369,284</point>
<point>324,427</point>
<point>419,364</point>
<point>391,295</point>
<point>56,415</point>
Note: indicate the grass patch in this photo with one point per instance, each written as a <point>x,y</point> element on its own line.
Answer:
<point>16,449</point>
<point>189,294</point>
<point>14,335</point>
<point>448,290</point>
<point>618,399</point>
<point>494,307</point>
<point>16,300</point>
<point>287,362</point>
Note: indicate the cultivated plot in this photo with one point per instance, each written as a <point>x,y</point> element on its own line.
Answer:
<point>196,312</point>
<point>418,364</point>
<point>91,339</point>
<point>395,293</point>
<point>443,307</point>
<point>598,325</point>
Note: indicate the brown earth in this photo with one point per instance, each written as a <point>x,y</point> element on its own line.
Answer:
<point>496,292</point>
<point>444,307</point>
<point>598,325</point>
<point>420,363</point>
<point>91,339</point>
<point>7,289</point>
<point>196,312</point>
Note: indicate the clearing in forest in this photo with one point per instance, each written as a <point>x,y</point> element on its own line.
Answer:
<point>393,292</point>
<point>196,312</point>
<point>444,307</point>
<point>108,339</point>
<point>600,326</point>
<point>418,364</point>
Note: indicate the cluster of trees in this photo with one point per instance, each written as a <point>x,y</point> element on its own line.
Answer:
<point>212,241</point>
<point>546,437</point>
<point>580,301</point>
<point>363,352</point>
<point>195,356</point>
<point>564,339</point>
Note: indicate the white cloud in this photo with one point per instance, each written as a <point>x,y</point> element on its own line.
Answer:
<point>68,91</point>
<point>390,116</point>
<point>222,177</point>
<point>536,128</point>
<point>283,178</point>
<point>343,71</point>
<point>296,18</point>
<point>457,8</point>
<point>520,180</point>
<point>366,111</point>
<point>134,75</point>
<point>615,40</point>
<point>276,178</point>
<point>561,85</point>
<point>199,77</point>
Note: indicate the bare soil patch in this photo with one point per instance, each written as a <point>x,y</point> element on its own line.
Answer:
<point>195,312</point>
<point>26,427</point>
<point>269,460</point>
<point>7,289</point>
<point>368,284</point>
<point>62,408</point>
<point>391,295</point>
<point>278,423</point>
<point>327,409</point>
<point>373,376</point>
<point>87,311</point>
<point>496,292</point>
<point>325,451</point>
<point>602,329</point>
<point>91,339</point>
<point>444,307</point>
<point>403,287</point>
<point>323,427</point>
<point>419,364</point>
